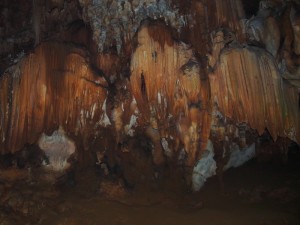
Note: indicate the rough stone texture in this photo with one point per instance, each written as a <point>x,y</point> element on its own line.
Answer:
<point>120,19</point>
<point>58,148</point>
<point>170,94</point>
<point>25,24</point>
<point>246,79</point>
<point>48,89</point>
<point>177,72</point>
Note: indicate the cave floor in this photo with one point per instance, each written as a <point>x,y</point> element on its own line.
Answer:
<point>256,194</point>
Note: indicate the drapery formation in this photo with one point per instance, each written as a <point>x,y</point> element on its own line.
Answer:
<point>45,90</point>
<point>247,87</point>
<point>167,70</point>
<point>167,85</point>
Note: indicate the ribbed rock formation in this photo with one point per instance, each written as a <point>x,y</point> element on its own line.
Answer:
<point>247,87</point>
<point>195,78</point>
<point>171,91</point>
<point>47,89</point>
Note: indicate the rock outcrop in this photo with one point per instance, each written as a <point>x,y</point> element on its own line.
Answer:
<point>189,76</point>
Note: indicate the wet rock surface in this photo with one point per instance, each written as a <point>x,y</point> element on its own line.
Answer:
<point>150,85</point>
<point>173,74</point>
<point>253,196</point>
<point>23,201</point>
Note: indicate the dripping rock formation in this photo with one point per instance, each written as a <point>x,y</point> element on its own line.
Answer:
<point>192,85</point>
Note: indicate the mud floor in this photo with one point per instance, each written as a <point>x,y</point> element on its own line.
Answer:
<point>256,194</point>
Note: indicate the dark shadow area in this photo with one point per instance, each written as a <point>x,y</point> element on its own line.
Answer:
<point>257,193</point>
<point>251,7</point>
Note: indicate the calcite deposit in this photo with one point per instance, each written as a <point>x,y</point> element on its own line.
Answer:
<point>194,82</point>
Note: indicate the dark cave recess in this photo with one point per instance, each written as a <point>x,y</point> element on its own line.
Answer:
<point>251,7</point>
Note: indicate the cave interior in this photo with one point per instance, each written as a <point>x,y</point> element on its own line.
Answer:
<point>128,112</point>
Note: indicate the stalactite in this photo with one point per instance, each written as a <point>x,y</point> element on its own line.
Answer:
<point>46,90</point>
<point>171,76</point>
<point>247,87</point>
<point>192,78</point>
<point>121,19</point>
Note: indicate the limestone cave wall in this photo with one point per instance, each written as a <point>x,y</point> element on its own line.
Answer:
<point>182,74</point>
